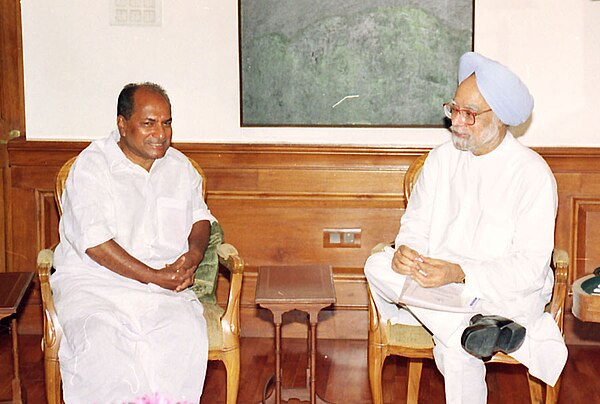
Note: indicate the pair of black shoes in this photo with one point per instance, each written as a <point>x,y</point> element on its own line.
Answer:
<point>487,335</point>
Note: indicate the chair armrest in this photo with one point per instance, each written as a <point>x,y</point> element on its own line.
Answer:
<point>560,259</point>
<point>379,247</point>
<point>374,320</point>
<point>45,259</point>
<point>52,330</point>
<point>230,259</point>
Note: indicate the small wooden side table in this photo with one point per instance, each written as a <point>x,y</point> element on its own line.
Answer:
<point>307,288</point>
<point>586,306</point>
<point>13,286</point>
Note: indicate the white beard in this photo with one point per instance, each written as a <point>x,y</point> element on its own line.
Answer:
<point>468,142</point>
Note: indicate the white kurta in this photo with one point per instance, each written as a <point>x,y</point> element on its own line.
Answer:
<point>494,216</point>
<point>124,340</point>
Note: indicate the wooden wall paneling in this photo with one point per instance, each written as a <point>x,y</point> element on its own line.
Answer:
<point>577,173</point>
<point>567,188</point>
<point>577,177</point>
<point>12,101</point>
<point>278,231</point>
<point>586,236</point>
<point>274,212</point>
<point>12,107</point>
<point>47,219</point>
<point>24,246</point>
<point>24,230</point>
<point>274,200</point>
<point>4,211</point>
<point>33,214</point>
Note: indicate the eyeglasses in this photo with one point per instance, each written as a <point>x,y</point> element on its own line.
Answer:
<point>467,116</point>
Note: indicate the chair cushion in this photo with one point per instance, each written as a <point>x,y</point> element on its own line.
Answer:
<point>212,315</point>
<point>413,336</point>
<point>205,283</point>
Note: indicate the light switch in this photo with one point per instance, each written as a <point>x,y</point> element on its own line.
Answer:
<point>341,238</point>
<point>334,238</point>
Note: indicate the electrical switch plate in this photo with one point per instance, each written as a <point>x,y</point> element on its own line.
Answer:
<point>341,238</point>
<point>136,13</point>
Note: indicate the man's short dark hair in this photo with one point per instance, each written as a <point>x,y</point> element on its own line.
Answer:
<point>125,102</point>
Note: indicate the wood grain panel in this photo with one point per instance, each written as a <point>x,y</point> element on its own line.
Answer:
<point>291,232</point>
<point>359,182</point>
<point>5,222</point>
<point>586,236</point>
<point>12,102</point>
<point>274,201</point>
<point>47,219</point>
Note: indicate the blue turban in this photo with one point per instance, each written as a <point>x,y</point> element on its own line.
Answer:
<point>505,93</point>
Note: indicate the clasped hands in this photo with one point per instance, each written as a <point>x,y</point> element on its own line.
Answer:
<point>427,272</point>
<point>179,275</point>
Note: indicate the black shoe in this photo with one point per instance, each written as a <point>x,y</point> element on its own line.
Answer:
<point>487,335</point>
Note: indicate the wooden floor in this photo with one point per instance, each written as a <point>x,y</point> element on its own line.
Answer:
<point>341,374</point>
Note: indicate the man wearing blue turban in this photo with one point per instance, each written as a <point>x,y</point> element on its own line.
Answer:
<point>481,218</point>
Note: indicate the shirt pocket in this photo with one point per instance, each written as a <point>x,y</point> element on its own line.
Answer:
<point>174,217</point>
<point>493,235</point>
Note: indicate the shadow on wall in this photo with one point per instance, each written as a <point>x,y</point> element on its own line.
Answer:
<point>521,129</point>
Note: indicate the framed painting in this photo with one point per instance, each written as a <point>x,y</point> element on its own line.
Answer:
<point>359,63</point>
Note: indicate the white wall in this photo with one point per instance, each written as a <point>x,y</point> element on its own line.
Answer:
<point>76,63</point>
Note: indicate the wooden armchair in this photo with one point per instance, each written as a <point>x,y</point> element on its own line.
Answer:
<point>223,324</point>
<point>415,343</point>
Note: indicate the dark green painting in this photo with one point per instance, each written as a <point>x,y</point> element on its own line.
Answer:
<point>350,63</point>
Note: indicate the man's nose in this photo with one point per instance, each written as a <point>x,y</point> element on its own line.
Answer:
<point>457,120</point>
<point>161,133</point>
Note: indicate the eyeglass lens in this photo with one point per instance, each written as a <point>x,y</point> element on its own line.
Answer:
<point>467,116</point>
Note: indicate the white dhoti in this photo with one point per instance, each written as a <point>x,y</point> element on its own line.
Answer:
<point>543,350</point>
<point>124,340</point>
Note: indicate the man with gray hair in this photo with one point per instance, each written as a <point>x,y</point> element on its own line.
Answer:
<point>481,216</point>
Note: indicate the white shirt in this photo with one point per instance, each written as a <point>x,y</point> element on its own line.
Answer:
<point>118,332</point>
<point>149,214</point>
<point>493,215</point>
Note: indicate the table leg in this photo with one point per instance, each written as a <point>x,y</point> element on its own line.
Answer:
<point>308,358</point>
<point>278,363</point>
<point>313,362</point>
<point>16,382</point>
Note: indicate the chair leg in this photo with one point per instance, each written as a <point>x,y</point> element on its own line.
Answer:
<point>375,360</point>
<point>536,389</point>
<point>415,366</point>
<point>231,360</point>
<point>53,387</point>
<point>552,393</point>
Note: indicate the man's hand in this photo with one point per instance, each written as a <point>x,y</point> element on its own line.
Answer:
<point>186,264</point>
<point>406,261</point>
<point>174,277</point>
<point>179,275</point>
<point>432,272</point>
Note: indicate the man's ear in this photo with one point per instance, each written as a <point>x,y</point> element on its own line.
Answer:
<point>501,127</point>
<point>121,124</point>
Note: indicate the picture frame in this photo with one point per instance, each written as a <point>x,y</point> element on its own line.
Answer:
<point>350,63</point>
